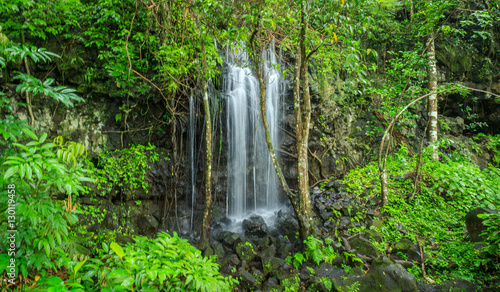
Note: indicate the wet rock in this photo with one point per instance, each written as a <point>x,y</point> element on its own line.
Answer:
<point>232,239</point>
<point>255,226</point>
<point>122,239</point>
<point>399,227</point>
<point>147,224</point>
<point>403,245</point>
<point>344,222</point>
<point>247,280</point>
<point>305,273</point>
<point>364,247</point>
<point>373,235</point>
<point>405,264</point>
<point>285,250</point>
<point>270,284</point>
<point>218,249</point>
<point>385,276</point>
<point>414,254</point>
<point>457,286</point>
<point>475,224</point>
<point>267,253</point>
<point>286,224</point>
<point>261,243</point>
<point>208,252</point>
<point>326,270</point>
<point>245,251</point>
<point>272,266</point>
<point>229,262</point>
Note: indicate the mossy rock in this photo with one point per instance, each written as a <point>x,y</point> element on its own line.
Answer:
<point>245,251</point>
<point>364,247</point>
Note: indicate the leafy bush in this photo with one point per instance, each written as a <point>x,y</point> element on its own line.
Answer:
<point>166,263</point>
<point>315,250</point>
<point>491,253</point>
<point>125,170</point>
<point>447,191</point>
<point>43,229</point>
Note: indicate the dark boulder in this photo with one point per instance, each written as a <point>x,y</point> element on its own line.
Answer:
<point>457,286</point>
<point>364,247</point>
<point>325,270</point>
<point>384,276</point>
<point>245,251</point>
<point>373,235</point>
<point>274,267</point>
<point>255,226</point>
<point>286,223</point>
<point>271,284</point>
<point>475,224</point>
<point>247,280</point>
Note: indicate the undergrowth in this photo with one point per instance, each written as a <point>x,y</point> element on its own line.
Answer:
<point>446,191</point>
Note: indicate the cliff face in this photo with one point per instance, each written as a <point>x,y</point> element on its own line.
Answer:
<point>345,134</point>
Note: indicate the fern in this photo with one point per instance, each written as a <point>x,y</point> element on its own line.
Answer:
<point>317,256</point>
<point>36,54</point>
<point>2,62</point>
<point>36,86</point>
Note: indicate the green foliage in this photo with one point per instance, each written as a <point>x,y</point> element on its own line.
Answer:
<point>161,264</point>
<point>490,256</point>
<point>125,170</point>
<point>315,250</point>
<point>291,284</point>
<point>30,17</point>
<point>17,53</point>
<point>43,237</point>
<point>447,190</point>
<point>493,145</point>
<point>11,128</point>
<point>327,282</point>
<point>36,86</point>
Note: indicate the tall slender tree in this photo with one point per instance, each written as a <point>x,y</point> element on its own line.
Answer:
<point>301,202</point>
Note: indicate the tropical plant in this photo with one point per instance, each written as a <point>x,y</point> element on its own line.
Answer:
<point>161,264</point>
<point>43,232</point>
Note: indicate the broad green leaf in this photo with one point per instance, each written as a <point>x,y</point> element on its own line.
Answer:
<point>117,249</point>
<point>30,133</point>
<point>80,265</point>
<point>42,138</point>
<point>10,172</point>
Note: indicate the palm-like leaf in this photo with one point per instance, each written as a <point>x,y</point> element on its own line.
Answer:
<point>36,54</point>
<point>36,86</point>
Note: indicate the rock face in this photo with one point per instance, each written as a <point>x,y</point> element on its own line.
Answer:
<point>475,224</point>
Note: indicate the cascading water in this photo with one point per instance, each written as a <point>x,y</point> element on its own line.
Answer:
<point>253,185</point>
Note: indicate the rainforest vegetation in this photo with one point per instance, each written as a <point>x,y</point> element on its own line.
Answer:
<point>388,163</point>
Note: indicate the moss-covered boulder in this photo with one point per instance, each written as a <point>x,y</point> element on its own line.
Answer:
<point>364,247</point>
<point>384,276</point>
<point>245,251</point>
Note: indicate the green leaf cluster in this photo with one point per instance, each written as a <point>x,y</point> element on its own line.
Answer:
<point>166,263</point>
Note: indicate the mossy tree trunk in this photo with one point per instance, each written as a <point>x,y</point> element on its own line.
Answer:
<point>301,202</point>
<point>432,104</point>
<point>302,108</point>
<point>207,212</point>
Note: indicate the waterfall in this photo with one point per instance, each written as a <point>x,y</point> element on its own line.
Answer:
<point>253,185</point>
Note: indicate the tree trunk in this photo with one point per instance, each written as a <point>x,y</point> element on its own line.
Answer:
<point>301,203</point>
<point>432,104</point>
<point>302,125</point>
<point>207,212</point>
